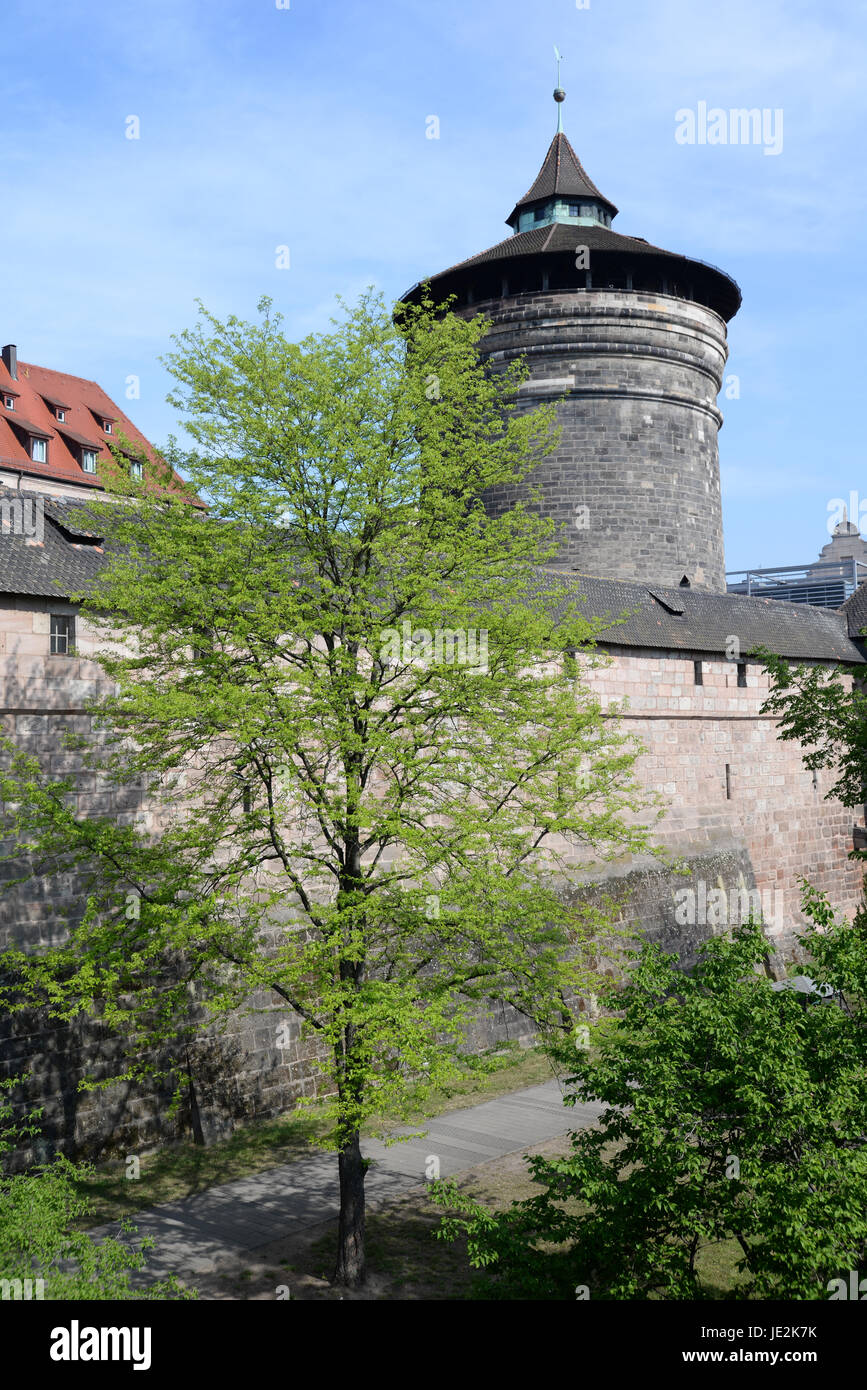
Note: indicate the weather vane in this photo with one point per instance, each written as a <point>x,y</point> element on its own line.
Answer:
<point>559,94</point>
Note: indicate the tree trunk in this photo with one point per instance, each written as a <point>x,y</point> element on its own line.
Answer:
<point>195,1117</point>
<point>350,1268</point>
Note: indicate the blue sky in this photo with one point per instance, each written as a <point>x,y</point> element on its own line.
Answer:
<point>263,126</point>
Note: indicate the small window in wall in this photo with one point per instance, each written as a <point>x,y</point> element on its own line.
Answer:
<point>573,210</point>
<point>61,415</point>
<point>698,673</point>
<point>742,673</point>
<point>538,214</point>
<point>88,460</point>
<point>38,450</point>
<point>9,402</point>
<point>62,634</point>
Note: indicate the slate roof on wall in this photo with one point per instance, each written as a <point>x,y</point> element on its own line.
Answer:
<point>689,620</point>
<point>64,562</point>
<point>707,621</point>
<point>855,611</point>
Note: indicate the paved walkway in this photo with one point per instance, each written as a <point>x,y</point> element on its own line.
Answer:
<point>196,1234</point>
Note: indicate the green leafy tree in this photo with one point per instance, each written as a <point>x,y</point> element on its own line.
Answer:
<point>358,703</point>
<point>824,708</point>
<point>41,1212</point>
<point>734,1112</point>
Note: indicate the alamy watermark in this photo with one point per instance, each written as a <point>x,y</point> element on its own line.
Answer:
<point>77,1343</point>
<point>23,516</point>
<point>714,907</point>
<point>856,1289</point>
<point>442,646</point>
<point>852,511</point>
<point>737,126</point>
<point>21,1289</point>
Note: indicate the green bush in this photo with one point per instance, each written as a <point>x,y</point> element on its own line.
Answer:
<point>735,1112</point>
<point>40,1212</point>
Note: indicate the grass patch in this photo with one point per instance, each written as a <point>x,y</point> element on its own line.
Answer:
<point>717,1268</point>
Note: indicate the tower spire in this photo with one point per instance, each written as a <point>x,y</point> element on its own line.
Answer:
<point>559,94</point>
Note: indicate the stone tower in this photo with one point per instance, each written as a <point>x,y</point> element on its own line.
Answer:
<point>630,341</point>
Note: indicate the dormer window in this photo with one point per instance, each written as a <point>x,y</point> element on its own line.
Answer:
<point>136,471</point>
<point>57,407</point>
<point>38,450</point>
<point>88,460</point>
<point>9,402</point>
<point>106,425</point>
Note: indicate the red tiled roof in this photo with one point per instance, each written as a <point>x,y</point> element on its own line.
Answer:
<point>82,439</point>
<point>16,418</point>
<point>34,388</point>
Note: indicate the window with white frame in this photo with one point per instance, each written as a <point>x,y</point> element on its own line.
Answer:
<point>136,470</point>
<point>38,450</point>
<point>88,460</point>
<point>61,415</point>
<point>9,402</point>
<point>106,425</point>
<point>62,634</point>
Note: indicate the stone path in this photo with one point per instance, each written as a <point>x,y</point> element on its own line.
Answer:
<point>197,1234</point>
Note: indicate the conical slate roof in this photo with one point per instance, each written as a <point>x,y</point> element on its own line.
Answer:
<point>561,173</point>
<point>544,252</point>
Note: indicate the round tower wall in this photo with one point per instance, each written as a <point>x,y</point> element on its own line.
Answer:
<point>634,480</point>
